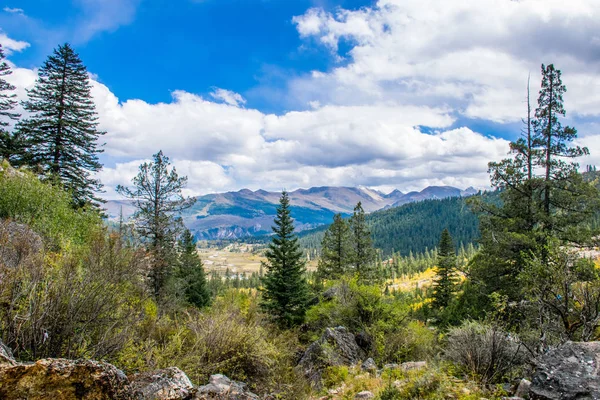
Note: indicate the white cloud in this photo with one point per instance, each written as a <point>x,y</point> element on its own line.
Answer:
<point>411,64</point>
<point>10,45</point>
<point>103,16</point>
<point>228,97</point>
<point>473,55</point>
<point>10,10</point>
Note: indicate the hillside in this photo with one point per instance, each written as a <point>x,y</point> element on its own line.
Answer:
<point>247,213</point>
<point>413,227</point>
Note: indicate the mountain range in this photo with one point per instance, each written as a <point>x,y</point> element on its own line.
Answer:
<point>246,213</point>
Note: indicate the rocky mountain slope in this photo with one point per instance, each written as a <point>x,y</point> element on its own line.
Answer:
<point>250,213</point>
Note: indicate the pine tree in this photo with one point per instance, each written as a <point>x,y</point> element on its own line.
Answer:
<point>61,136</point>
<point>336,250</point>
<point>445,281</point>
<point>191,272</point>
<point>363,252</point>
<point>158,202</point>
<point>8,142</point>
<point>285,292</point>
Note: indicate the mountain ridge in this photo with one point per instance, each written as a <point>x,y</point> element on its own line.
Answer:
<point>247,213</point>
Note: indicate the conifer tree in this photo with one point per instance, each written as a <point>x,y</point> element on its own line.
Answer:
<point>8,142</point>
<point>191,272</point>
<point>336,250</point>
<point>158,202</point>
<point>363,252</point>
<point>285,292</point>
<point>61,136</point>
<point>445,281</point>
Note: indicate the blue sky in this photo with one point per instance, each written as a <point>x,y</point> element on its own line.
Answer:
<point>190,45</point>
<point>279,94</point>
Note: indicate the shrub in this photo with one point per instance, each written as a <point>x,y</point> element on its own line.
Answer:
<point>485,352</point>
<point>414,341</point>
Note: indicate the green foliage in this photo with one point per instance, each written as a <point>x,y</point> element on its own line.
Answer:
<point>363,252</point>
<point>334,376</point>
<point>484,352</point>
<point>445,281</point>
<point>46,208</point>
<point>158,202</point>
<point>60,134</point>
<point>8,142</point>
<point>191,272</point>
<point>413,227</point>
<point>336,250</point>
<point>285,294</point>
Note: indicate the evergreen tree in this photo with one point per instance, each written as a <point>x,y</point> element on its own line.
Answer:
<point>363,252</point>
<point>533,209</point>
<point>158,202</point>
<point>191,272</point>
<point>336,250</point>
<point>445,281</point>
<point>8,142</point>
<point>61,136</point>
<point>285,293</point>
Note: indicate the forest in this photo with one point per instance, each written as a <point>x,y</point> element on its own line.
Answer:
<point>453,298</point>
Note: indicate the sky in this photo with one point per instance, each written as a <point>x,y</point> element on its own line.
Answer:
<point>282,94</point>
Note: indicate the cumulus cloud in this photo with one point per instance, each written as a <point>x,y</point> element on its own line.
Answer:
<point>386,116</point>
<point>474,55</point>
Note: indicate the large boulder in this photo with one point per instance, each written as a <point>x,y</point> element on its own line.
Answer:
<point>220,387</point>
<point>569,372</point>
<point>335,347</point>
<point>165,384</point>
<point>17,243</point>
<point>65,380</point>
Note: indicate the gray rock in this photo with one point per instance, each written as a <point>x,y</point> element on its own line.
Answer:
<point>222,388</point>
<point>391,366</point>
<point>523,388</point>
<point>17,243</point>
<point>413,365</point>
<point>569,372</point>
<point>365,394</point>
<point>369,365</point>
<point>165,384</point>
<point>335,347</point>
<point>6,356</point>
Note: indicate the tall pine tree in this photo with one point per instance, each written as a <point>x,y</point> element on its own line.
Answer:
<point>61,136</point>
<point>363,252</point>
<point>336,250</point>
<point>191,272</point>
<point>285,292</point>
<point>445,280</point>
<point>8,102</point>
<point>158,202</point>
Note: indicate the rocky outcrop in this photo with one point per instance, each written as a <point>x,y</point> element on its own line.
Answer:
<point>92,380</point>
<point>64,379</point>
<point>364,395</point>
<point>165,384</point>
<point>572,371</point>
<point>17,243</point>
<point>221,387</point>
<point>335,347</point>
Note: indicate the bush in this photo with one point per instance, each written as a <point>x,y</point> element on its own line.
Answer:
<point>413,342</point>
<point>483,351</point>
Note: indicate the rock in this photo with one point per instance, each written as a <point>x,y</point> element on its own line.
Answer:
<point>413,365</point>
<point>365,394</point>
<point>165,384</point>
<point>335,347</point>
<point>220,387</point>
<point>369,365</point>
<point>6,356</point>
<point>65,380</point>
<point>571,371</point>
<point>523,388</point>
<point>330,293</point>
<point>364,341</point>
<point>17,243</point>
<point>391,366</point>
